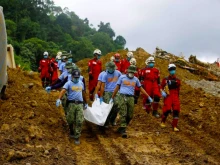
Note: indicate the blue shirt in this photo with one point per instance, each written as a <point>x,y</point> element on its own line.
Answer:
<point>127,85</point>
<point>64,75</point>
<point>110,80</point>
<point>62,67</point>
<point>74,91</point>
<point>59,62</point>
<point>100,75</point>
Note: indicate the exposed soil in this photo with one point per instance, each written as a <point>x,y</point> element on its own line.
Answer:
<point>34,131</point>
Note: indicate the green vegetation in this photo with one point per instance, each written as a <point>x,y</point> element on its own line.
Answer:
<point>35,26</point>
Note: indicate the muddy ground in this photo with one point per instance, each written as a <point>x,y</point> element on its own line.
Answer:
<point>33,131</point>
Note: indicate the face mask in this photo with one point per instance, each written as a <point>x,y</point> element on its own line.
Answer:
<point>172,72</point>
<point>45,56</point>
<point>128,58</point>
<point>98,57</point>
<point>57,60</point>
<point>151,65</point>
<point>117,60</point>
<point>111,71</point>
<point>70,60</point>
<point>75,80</point>
<point>130,75</point>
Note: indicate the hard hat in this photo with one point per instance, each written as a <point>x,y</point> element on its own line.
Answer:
<point>132,69</point>
<point>97,51</point>
<point>45,53</point>
<point>110,65</point>
<point>130,54</point>
<point>117,55</point>
<point>112,58</point>
<point>171,67</point>
<point>59,53</point>
<point>58,57</point>
<point>133,61</point>
<point>150,59</point>
<point>76,73</point>
<point>68,65</point>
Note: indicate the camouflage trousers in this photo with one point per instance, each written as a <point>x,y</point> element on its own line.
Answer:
<point>75,117</point>
<point>126,109</point>
<point>114,111</point>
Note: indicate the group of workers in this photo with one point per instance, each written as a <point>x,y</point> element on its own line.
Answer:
<point>119,84</point>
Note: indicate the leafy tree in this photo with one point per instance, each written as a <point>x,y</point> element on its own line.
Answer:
<point>106,28</point>
<point>120,42</point>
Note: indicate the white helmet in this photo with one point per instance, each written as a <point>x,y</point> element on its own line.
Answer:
<point>150,59</point>
<point>59,53</point>
<point>112,58</point>
<point>97,51</point>
<point>130,54</point>
<point>133,61</point>
<point>171,67</point>
<point>45,54</point>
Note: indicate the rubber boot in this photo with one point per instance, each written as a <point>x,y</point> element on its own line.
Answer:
<point>77,141</point>
<point>122,131</point>
<point>174,124</point>
<point>156,114</point>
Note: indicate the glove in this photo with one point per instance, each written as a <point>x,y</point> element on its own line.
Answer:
<point>150,99</point>
<point>58,102</point>
<point>48,89</point>
<point>96,96</point>
<point>85,106</point>
<point>101,100</point>
<point>163,94</point>
<point>111,101</point>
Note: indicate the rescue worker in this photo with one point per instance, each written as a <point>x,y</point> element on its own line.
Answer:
<point>98,87</point>
<point>94,68</point>
<point>118,62</point>
<point>125,63</point>
<point>58,58</point>
<point>75,96</point>
<point>44,68</point>
<point>150,77</point>
<point>137,74</point>
<point>126,85</point>
<point>171,97</point>
<point>63,63</point>
<point>109,80</point>
<point>53,70</point>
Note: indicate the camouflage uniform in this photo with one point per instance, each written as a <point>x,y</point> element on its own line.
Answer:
<point>75,117</point>
<point>114,111</point>
<point>64,104</point>
<point>126,106</point>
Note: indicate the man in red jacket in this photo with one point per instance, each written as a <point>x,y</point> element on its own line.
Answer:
<point>118,62</point>
<point>54,70</point>
<point>44,69</point>
<point>150,77</point>
<point>125,62</point>
<point>94,69</point>
<point>171,97</point>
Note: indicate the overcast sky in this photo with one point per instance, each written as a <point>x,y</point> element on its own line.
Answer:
<point>188,26</point>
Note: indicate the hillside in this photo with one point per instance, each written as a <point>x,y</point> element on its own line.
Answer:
<point>34,131</point>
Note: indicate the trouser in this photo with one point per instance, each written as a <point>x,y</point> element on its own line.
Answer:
<point>175,117</point>
<point>75,118</point>
<point>136,96</point>
<point>126,109</point>
<point>45,82</point>
<point>114,111</point>
<point>155,104</point>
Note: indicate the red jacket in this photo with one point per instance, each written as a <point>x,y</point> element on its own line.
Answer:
<point>119,65</point>
<point>44,68</point>
<point>54,68</point>
<point>95,67</point>
<point>124,65</point>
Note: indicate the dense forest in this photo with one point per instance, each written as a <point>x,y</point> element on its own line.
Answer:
<point>35,26</point>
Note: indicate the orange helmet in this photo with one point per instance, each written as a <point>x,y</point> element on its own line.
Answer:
<point>117,56</point>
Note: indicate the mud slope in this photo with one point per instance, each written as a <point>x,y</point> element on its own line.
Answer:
<point>34,131</point>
